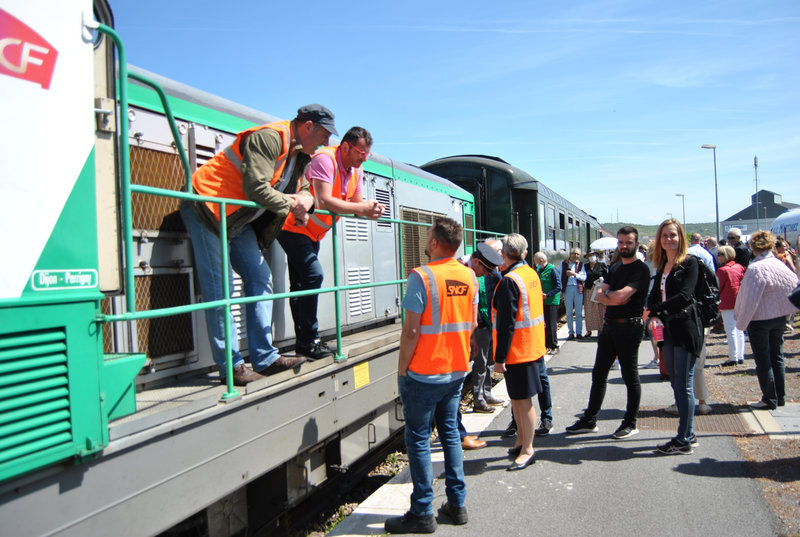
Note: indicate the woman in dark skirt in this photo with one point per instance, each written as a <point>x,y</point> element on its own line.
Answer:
<point>519,346</point>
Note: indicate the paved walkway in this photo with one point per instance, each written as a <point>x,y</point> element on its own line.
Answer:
<point>591,484</point>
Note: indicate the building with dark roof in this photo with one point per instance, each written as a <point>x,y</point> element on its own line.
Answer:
<point>765,207</point>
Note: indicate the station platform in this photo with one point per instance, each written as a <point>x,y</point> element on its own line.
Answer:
<point>591,484</point>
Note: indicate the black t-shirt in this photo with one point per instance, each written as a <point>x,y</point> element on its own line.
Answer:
<point>636,275</point>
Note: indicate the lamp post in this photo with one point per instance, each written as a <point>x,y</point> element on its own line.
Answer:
<point>716,197</point>
<point>683,205</point>
<point>755,167</point>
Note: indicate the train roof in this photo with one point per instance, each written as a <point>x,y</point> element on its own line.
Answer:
<point>191,98</point>
<point>520,179</point>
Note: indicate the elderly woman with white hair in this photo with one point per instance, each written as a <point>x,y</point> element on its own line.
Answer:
<point>519,343</point>
<point>761,308</point>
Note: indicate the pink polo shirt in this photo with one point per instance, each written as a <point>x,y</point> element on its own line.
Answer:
<point>321,169</point>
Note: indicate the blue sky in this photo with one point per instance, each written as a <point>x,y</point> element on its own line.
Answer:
<point>606,102</point>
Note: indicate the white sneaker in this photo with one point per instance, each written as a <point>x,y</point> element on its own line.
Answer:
<point>672,409</point>
<point>652,364</point>
<point>702,409</point>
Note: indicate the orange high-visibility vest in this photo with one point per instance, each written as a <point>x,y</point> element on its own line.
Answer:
<point>527,344</point>
<point>319,224</point>
<point>221,177</point>
<point>446,323</point>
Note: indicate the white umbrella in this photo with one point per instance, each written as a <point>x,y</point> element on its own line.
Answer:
<point>605,243</point>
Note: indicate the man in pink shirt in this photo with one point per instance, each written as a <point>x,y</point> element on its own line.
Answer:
<point>336,179</point>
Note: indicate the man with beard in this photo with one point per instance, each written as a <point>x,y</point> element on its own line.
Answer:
<point>623,292</point>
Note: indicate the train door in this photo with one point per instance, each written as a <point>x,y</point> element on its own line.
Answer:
<point>524,207</point>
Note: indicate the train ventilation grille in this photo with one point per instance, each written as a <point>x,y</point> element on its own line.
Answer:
<point>385,197</point>
<point>356,230</point>
<point>34,394</point>
<point>359,301</point>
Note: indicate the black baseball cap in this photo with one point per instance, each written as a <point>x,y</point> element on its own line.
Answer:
<point>319,115</point>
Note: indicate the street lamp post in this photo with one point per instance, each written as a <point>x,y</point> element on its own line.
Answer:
<point>683,205</point>
<point>716,197</point>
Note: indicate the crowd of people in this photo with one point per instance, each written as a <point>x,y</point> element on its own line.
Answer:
<point>489,312</point>
<point>657,294</point>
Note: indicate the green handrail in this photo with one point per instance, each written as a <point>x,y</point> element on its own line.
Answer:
<point>127,189</point>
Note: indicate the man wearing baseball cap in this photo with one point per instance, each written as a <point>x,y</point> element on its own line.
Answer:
<point>264,164</point>
<point>485,260</point>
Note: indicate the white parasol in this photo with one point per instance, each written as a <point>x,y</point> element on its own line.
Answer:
<point>605,243</point>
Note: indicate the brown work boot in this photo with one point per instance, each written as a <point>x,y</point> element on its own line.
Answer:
<point>472,442</point>
<point>282,364</point>
<point>242,375</point>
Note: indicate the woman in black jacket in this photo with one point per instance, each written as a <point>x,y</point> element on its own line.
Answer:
<point>671,304</point>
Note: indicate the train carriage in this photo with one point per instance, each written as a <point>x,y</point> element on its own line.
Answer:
<point>508,199</point>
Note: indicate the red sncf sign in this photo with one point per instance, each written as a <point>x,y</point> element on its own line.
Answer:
<point>24,53</point>
<point>456,288</point>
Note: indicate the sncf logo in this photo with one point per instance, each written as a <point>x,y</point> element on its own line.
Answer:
<point>456,288</point>
<point>24,53</point>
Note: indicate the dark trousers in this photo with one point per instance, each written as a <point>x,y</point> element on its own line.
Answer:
<point>617,341</point>
<point>550,326</point>
<point>305,272</point>
<point>766,340</point>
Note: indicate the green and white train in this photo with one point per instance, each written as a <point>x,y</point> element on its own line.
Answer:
<point>112,419</point>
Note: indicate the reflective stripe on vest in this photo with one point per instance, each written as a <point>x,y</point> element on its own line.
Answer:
<point>319,225</point>
<point>446,323</point>
<point>527,344</point>
<point>221,176</point>
<point>526,321</point>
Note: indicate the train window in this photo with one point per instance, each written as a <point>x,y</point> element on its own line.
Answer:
<point>561,221</point>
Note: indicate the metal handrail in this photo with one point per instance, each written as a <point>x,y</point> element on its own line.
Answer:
<point>128,189</point>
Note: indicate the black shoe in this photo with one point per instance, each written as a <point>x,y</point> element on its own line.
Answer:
<point>282,364</point>
<point>673,447</point>
<point>410,523</point>
<point>315,350</point>
<point>624,431</point>
<point>514,466</point>
<point>545,426</point>
<point>511,431</point>
<point>457,514</point>
<point>729,363</point>
<point>582,426</point>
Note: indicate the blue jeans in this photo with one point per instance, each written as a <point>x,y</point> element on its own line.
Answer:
<point>573,301</point>
<point>766,340</point>
<point>680,365</point>
<point>422,404</point>
<point>305,272</point>
<point>249,263</point>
